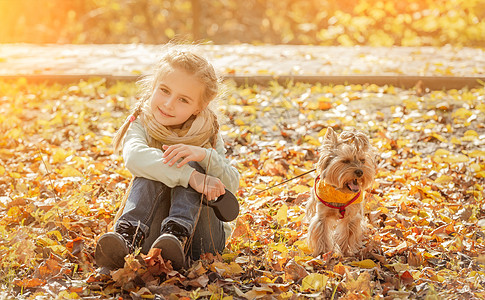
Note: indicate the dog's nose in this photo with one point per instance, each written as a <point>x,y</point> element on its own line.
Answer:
<point>359,172</point>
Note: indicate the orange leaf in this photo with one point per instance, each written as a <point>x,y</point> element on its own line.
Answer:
<point>340,268</point>
<point>407,277</point>
<point>30,283</point>
<point>324,105</point>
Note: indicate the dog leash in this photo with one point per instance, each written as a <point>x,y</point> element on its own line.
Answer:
<point>341,209</point>
<point>283,182</point>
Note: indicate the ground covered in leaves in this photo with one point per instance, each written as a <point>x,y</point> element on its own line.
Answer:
<point>60,186</point>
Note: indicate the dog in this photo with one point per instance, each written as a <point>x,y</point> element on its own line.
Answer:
<point>335,209</point>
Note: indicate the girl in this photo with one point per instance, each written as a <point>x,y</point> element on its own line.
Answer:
<point>171,140</point>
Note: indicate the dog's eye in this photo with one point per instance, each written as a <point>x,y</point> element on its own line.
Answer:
<point>362,161</point>
<point>347,161</point>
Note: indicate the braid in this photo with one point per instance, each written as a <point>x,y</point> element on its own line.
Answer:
<point>120,134</point>
<point>215,125</point>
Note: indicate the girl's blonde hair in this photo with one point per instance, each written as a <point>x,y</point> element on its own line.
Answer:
<point>174,57</point>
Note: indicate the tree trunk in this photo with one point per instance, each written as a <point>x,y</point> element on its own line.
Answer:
<point>196,24</point>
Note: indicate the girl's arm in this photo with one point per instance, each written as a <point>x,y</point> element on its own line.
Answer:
<point>216,164</point>
<point>144,161</point>
<point>212,161</point>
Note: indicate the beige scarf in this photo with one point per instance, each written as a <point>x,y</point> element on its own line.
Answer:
<point>198,130</point>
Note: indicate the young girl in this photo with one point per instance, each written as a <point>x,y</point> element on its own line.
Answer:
<point>171,140</point>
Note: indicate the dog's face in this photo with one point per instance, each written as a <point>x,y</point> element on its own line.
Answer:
<point>347,161</point>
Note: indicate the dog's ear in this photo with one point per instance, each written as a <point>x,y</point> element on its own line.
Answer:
<point>358,138</point>
<point>361,141</point>
<point>330,136</point>
<point>322,165</point>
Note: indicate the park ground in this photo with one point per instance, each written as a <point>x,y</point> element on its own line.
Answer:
<point>61,183</point>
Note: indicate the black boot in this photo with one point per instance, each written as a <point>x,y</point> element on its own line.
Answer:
<point>172,242</point>
<point>112,247</point>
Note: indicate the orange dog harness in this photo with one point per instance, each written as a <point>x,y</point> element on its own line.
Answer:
<point>329,192</point>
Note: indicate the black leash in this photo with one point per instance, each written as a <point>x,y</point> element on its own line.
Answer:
<point>283,182</point>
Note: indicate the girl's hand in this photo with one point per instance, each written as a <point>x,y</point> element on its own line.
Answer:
<point>210,186</point>
<point>189,153</point>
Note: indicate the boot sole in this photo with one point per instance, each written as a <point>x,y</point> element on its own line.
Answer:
<point>111,250</point>
<point>171,249</point>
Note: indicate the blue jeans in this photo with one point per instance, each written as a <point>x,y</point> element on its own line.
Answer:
<point>151,200</point>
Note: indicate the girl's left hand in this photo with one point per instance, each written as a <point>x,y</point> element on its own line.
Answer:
<point>189,153</point>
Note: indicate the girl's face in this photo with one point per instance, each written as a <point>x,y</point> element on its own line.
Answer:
<point>176,97</point>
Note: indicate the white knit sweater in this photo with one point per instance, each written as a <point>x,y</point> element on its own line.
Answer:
<point>144,161</point>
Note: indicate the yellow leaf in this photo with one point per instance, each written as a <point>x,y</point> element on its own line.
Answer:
<point>398,267</point>
<point>442,152</point>
<point>13,211</point>
<point>239,122</point>
<point>225,128</point>
<point>474,153</point>
<point>66,295</point>
<point>410,127</point>
<point>456,158</point>
<point>2,171</point>
<point>280,247</point>
<point>250,110</point>
<point>59,155</point>
<point>439,137</point>
<point>56,233</point>
<point>124,172</point>
<point>297,170</point>
<point>15,175</point>
<point>462,113</point>
<point>282,215</point>
<point>315,282</point>
<point>45,242</point>
<point>58,249</point>
<point>260,186</point>
<point>411,104</point>
<point>471,133</point>
<point>14,133</point>
<point>70,172</point>
<point>302,245</point>
<point>360,285</point>
<point>300,189</point>
<point>227,270</point>
<point>475,167</point>
<point>480,174</point>
<point>322,132</point>
<point>365,264</point>
<point>444,179</point>
<point>455,140</point>
<point>298,218</point>
<point>480,107</point>
<point>264,280</point>
<point>107,140</point>
<point>257,292</point>
<point>311,140</point>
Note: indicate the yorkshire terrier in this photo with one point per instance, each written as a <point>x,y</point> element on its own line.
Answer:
<point>335,210</point>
